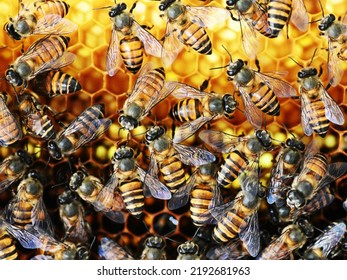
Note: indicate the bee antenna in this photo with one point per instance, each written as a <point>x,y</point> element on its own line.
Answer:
<point>321,7</point>
<point>101,8</point>
<point>231,59</point>
<point>296,62</point>
<point>219,67</point>
<point>314,54</point>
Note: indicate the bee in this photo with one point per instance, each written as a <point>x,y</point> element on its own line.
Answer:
<point>252,17</point>
<point>150,89</point>
<point>128,41</point>
<point>243,152</point>
<point>40,18</point>
<point>171,157</point>
<point>316,173</point>
<point>90,189</point>
<point>259,91</point>
<point>47,53</point>
<point>186,26</point>
<point>54,83</point>
<point>197,108</point>
<point>34,119</point>
<point>154,248</point>
<point>325,242</point>
<point>335,32</point>
<point>111,250</point>
<point>27,208</point>
<point>8,250</point>
<point>72,215</point>
<point>189,250</point>
<point>317,106</point>
<point>280,12</point>
<point>88,126</point>
<point>132,182</point>
<point>239,217</point>
<point>13,168</point>
<point>11,130</point>
<point>203,192</point>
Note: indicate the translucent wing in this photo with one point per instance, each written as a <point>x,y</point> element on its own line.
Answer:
<point>305,116</point>
<point>219,212</point>
<point>221,142</point>
<point>250,235</point>
<point>111,250</point>
<point>172,45</point>
<point>10,128</point>
<point>151,44</point>
<point>280,88</point>
<point>41,219</point>
<point>335,171</point>
<point>193,155</point>
<point>42,258</point>
<point>187,129</point>
<point>250,41</point>
<point>152,184</point>
<point>335,64</point>
<point>54,24</point>
<point>332,110</point>
<point>207,16</point>
<point>230,251</point>
<point>182,91</point>
<point>153,172</point>
<point>113,57</point>
<point>299,16</point>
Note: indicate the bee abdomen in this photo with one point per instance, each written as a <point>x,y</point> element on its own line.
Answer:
<point>46,131</point>
<point>228,228</point>
<point>318,165</point>
<point>278,14</point>
<point>8,250</point>
<point>12,131</point>
<point>173,173</point>
<point>54,7</point>
<point>318,120</point>
<point>131,50</point>
<point>200,199</point>
<point>196,37</point>
<point>22,214</point>
<point>186,110</point>
<point>265,99</point>
<point>133,197</point>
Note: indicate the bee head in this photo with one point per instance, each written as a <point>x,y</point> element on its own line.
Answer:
<point>295,199</point>
<point>66,197</point>
<point>295,143</point>
<point>326,22</point>
<point>128,122</point>
<point>25,156</point>
<point>307,72</point>
<point>155,241</point>
<point>264,138</point>
<point>154,133</point>
<point>76,180</point>
<point>11,31</point>
<point>235,67</point>
<point>231,3</point>
<point>165,4</point>
<point>123,152</point>
<point>229,104</point>
<point>13,77</point>
<point>117,10</point>
<point>54,150</point>
<point>189,247</point>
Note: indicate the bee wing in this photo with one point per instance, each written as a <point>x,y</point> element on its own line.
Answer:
<point>113,57</point>
<point>151,44</point>
<point>111,250</point>
<point>187,129</point>
<point>42,258</point>
<point>305,116</point>
<point>299,16</point>
<point>280,88</point>
<point>207,16</point>
<point>182,91</point>
<point>181,196</point>
<point>221,142</point>
<point>193,155</point>
<point>332,110</point>
<point>335,171</point>
<point>218,212</point>
<point>229,251</point>
<point>41,219</point>
<point>253,114</point>
<point>153,186</point>
<point>54,24</point>
<point>172,45</point>
<point>250,235</point>
<point>321,199</point>
<point>249,37</point>
<point>10,128</point>
<point>335,64</point>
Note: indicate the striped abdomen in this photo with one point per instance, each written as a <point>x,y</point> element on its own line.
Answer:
<point>132,194</point>
<point>200,199</point>
<point>265,99</point>
<point>10,129</point>
<point>56,7</point>
<point>279,12</point>
<point>315,110</point>
<point>231,168</point>
<point>186,110</point>
<point>8,250</point>
<point>131,50</point>
<point>317,166</point>
<point>22,214</point>
<point>196,37</point>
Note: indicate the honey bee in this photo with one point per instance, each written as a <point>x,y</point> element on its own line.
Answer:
<point>111,250</point>
<point>280,12</point>
<point>315,174</point>
<point>132,182</point>
<point>239,217</point>
<point>72,215</point>
<point>150,89</point>
<point>88,126</point>
<point>197,108</point>
<point>128,41</point>
<point>40,18</point>
<point>13,168</point>
<point>11,131</point>
<point>317,106</point>
<point>27,208</point>
<point>335,32</point>
<point>325,242</point>
<point>186,26</point>
<point>259,91</point>
<point>90,189</point>
<point>189,250</point>
<point>170,157</point>
<point>54,83</point>
<point>8,250</point>
<point>34,119</point>
<point>243,151</point>
<point>48,53</point>
<point>154,248</point>
<point>203,192</point>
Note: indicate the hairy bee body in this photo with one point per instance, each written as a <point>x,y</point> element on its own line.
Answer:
<point>278,16</point>
<point>186,110</point>
<point>154,248</point>
<point>8,250</point>
<point>131,50</point>
<point>200,200</point>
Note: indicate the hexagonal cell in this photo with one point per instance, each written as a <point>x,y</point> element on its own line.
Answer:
<point>99,57</point>
<point>91,34</point>
<point>83,57</point>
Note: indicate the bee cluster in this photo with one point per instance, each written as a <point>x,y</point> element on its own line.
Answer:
<point>184,136</point>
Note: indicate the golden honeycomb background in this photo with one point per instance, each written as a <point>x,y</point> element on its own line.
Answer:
<point>90,43</point>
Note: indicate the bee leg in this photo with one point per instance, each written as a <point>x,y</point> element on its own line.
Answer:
<point>257,64</point>
<point>133,7</point>
<point>144,26</point>
<point>233,17</point>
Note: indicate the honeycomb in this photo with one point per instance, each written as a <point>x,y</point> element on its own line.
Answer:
<point>90,43</point>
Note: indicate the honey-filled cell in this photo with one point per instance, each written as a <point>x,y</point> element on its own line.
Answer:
<point>282,58</point>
